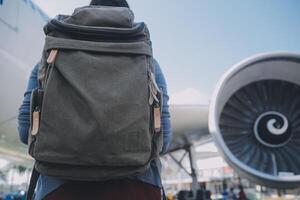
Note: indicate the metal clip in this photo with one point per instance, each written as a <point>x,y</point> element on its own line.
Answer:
<point>154,82</point>
<point>152,96</point>
<point>153,88</point>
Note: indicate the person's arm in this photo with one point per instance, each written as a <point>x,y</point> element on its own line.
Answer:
<point>165,118</point>
<point>24,110</point>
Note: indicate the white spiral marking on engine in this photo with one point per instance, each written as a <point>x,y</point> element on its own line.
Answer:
<point>271,128</point>
<point>278,131</point>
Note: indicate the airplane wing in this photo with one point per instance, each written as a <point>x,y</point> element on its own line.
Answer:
<point>189,125</point>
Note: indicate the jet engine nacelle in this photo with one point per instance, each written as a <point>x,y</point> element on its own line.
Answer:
<point>254,117</point>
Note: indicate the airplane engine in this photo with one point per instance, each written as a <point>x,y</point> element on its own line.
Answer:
<point>254,117</point>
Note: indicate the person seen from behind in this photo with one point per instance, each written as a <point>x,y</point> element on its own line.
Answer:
<point>242,194</point>
<point>146,186</point>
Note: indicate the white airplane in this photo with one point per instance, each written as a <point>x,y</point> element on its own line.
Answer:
<point>253,116</point>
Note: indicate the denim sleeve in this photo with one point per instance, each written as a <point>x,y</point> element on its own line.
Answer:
<point>24,110</point>
<point>165,118</point>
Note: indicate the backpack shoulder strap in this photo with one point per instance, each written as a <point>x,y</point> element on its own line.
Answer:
<point>32,184</point>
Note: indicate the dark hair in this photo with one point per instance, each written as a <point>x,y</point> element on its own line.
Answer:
<point>116,3</point>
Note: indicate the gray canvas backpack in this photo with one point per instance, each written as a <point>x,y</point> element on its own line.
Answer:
<point>96,114</point>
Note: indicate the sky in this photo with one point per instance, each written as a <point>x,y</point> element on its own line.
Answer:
<point>196,41</point>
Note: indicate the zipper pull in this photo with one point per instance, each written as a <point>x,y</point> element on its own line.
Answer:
<point>35,121</point>
<point>157,119</point>
<point>52,56</point>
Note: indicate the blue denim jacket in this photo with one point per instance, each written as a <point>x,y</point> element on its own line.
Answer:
<point>47,184</point>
